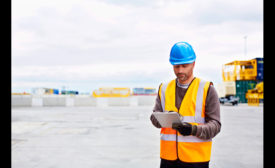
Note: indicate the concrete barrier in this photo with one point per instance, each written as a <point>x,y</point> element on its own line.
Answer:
<point>133,100</point>
<point>21,100</point>
<point>80,100</point>
<point>70,101</point>
<point>146,100</point>
<point>102,102</point>
<point>37,101</point>
<point>119,101</point>
<point>54,100</point>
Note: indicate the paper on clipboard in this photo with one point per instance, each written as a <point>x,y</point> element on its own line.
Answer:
<point>166,119</point>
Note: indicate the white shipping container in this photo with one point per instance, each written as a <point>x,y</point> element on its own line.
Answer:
<point>226,88</point>
<point>38,91</point>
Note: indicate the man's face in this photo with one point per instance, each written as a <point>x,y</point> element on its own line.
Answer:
<point>184,71</point>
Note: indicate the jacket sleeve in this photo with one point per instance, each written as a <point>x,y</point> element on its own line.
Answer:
<point>212,116</point>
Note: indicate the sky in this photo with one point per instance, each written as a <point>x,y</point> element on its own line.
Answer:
<point>87,44</point>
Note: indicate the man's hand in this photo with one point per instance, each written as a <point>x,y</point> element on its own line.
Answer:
<point>185,128</point>
<point>155,121</point>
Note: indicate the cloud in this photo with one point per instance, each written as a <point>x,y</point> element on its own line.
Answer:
<point>119,41</point>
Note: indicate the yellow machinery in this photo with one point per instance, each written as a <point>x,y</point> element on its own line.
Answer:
<point>253,96</point>
<point>240,70</point>
<point>112,92</point>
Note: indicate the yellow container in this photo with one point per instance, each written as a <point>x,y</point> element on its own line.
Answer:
<point>112,92</point>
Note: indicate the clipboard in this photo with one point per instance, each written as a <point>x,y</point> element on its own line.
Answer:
<point>166,119</point>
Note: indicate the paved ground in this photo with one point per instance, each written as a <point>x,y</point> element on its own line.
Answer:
<point>122,137</point>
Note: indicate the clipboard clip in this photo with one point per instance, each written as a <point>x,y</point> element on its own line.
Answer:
<point>181,117</point>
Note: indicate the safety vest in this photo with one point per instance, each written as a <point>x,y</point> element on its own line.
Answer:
<point>173,145</point>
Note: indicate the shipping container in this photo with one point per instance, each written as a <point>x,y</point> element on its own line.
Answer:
<point>69,92</point>
<point>243,85</point>
<point>55,91</point>
<point>241,88</point>
<point>144,91</point>
<point>260,69</point>
<point>38,91</point>
<point>226,89</point>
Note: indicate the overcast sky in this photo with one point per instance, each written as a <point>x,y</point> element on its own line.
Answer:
<point>86,44</point>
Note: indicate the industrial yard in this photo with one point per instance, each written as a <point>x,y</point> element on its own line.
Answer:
<point>111,127</point>
<point>122,136</point>
<point>86,76</point>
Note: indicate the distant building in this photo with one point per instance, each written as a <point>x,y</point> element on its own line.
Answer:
<point>43,91</point>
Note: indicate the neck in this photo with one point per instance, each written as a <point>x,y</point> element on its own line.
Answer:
<point>187,81</point>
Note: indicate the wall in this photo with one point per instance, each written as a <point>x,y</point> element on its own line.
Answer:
<point>79,100</point>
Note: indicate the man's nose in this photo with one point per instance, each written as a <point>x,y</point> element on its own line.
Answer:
<point>181,70</point>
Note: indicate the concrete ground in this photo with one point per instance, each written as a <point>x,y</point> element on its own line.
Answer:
<point>122,137</point>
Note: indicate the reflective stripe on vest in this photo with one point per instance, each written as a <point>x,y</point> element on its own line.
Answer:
<point>173,144</point>
<point>172,137</point>
<point>162,95</point>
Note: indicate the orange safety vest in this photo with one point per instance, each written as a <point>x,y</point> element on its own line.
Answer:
<point>173,145</point>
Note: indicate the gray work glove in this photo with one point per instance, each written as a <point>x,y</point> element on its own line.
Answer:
<point>185,128</point>
<point>155,121</point>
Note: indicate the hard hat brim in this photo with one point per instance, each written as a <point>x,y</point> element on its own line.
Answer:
<point>182,62</point>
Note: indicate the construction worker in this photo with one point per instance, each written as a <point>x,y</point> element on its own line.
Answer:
<point>187,144</point>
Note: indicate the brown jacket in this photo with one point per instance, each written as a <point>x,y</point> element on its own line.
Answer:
<point>212,112</point>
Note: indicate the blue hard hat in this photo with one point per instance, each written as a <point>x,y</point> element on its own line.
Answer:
<point>182,53</point>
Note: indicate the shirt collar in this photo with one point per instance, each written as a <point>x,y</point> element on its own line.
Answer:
<point>184,86</point>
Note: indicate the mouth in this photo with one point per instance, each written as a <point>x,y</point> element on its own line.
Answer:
<point>181,75</point>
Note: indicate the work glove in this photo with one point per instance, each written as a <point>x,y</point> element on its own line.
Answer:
<point>155,121</point>
<point>185,128</point>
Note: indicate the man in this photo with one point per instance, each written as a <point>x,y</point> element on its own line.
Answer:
<point>187,144</point>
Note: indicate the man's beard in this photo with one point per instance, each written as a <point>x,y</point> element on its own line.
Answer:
<point>182,76</point>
